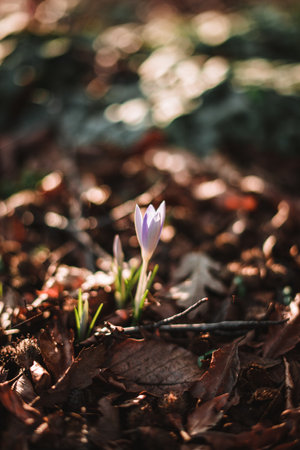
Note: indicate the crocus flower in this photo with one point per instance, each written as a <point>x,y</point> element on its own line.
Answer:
<point>148,229</point>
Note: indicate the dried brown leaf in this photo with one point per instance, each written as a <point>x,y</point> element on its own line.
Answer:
<point>154,366</point>
<point>283,338</point>
<point>222,374</point>
<point>257,438</point>
<point>294,374</point>
<point>57,349</point>
<point>194,275</point>
<point>246,359</point>
<point>40,377</point>
<point>292,417</point>
<point>207,415</point>
<point>3,374</point>
<point>24,388</point>
<point>78,376</point>
<point>12,401</point>
<point>64,278</point>
<point>149,438</point>
<point>288,445</point>
<point>68,277</point>
<point>108,427</point>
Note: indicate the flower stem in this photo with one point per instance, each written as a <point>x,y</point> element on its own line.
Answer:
<point>141,287</point>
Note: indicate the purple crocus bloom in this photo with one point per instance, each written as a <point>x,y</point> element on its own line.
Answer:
<point>148,229</point>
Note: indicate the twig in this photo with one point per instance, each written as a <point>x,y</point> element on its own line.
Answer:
<point>235,325</point>
<point>227,326</point>
<point>223,326</point>
<point>170,319</point>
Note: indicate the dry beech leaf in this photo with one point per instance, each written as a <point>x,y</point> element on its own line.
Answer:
<point>3,374</point>
<point>68,277</point>
<point>40,377</point>
<point>57,349</point>
<point>222,374</point>
<point>79,375</point>
<point>246,359</point>
<point>207,415</point>
<point>107,427</point>
<point>257,438</point>
<point>65,278</point>
<point>194,275</point>
<point>292,385</point>
<point>153,437</point>
<point>14,403</point>
<point>153,366</point>
<point>285,337</point>
<point>292,417</point>
<point>24,388</point>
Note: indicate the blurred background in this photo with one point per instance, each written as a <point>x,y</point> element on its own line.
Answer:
<point>107,104</point>
<point>205,76</point>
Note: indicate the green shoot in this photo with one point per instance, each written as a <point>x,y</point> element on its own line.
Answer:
<point>123,284</point>
<point>83,328</point>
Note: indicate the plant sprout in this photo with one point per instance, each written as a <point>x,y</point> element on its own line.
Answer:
<point>83,328</point>
<point>148,231</point>
<point>123,284</point>
<point>118,262</point>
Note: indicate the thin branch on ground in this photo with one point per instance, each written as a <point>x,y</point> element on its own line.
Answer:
<point>227,326</point>
<point>235,325</point>
<point>170,319</point>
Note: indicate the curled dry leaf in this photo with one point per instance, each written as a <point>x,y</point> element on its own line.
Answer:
<point>292,376</point>
<point>24,388</point>
<point>64,278</point>
<point>78,376</point>
<point>153,437</point>
<point>156,367</point>
<point>292,417</point>
<point>3,374</point>
<point>57,349</point>
<point>12,401</point>
<point>68,277</point>
<point>107,427</point>
<point>286,336</point>
<point>257,438</point>
<point>207,415</point>
<point>40,377</point>
<point>194,275</point>
<point>222,374</point>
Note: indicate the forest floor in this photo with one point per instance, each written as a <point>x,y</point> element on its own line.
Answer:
<point>231,235</point>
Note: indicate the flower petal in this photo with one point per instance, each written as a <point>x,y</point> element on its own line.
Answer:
<point>162,211</point>
<point>138,222</point>
<point>149,227</point>
<point>150,235</point>
<point>150,213</point>
<point>118,251</point>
